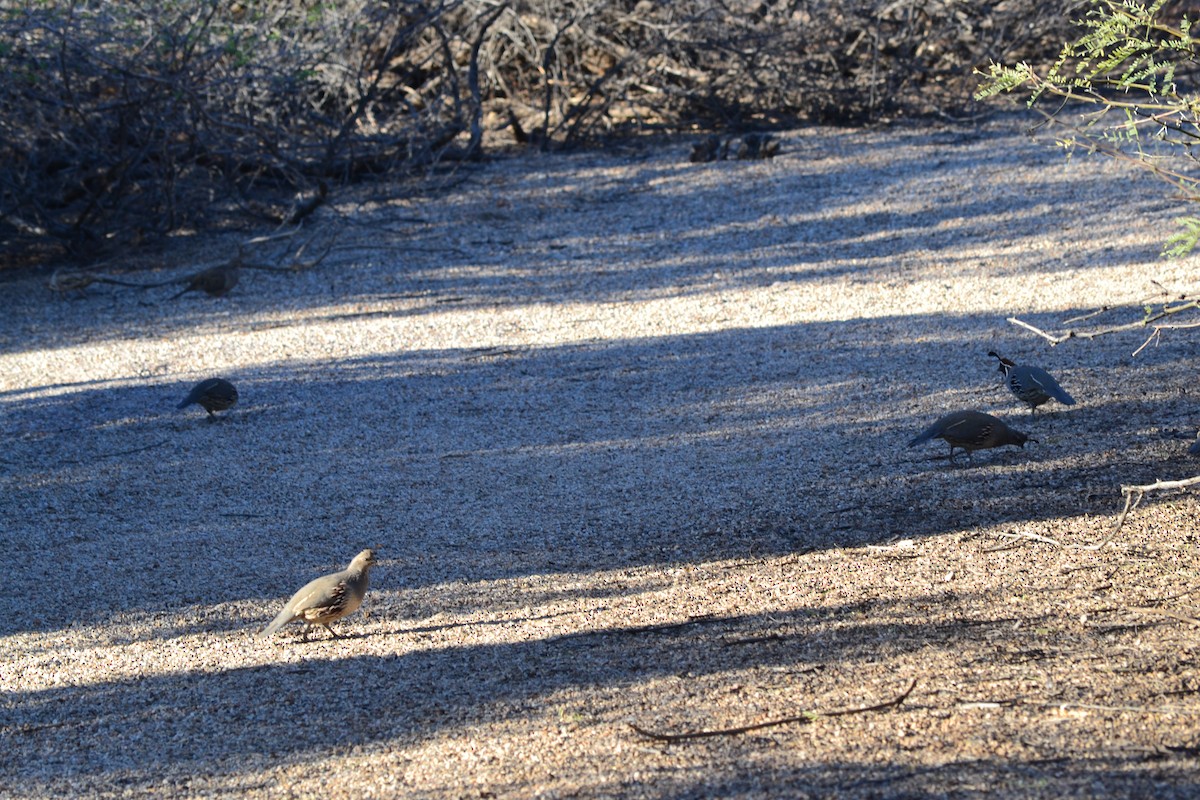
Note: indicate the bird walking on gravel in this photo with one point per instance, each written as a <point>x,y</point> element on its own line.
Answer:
<point>327,599</point>
<point>971,431</point>
<point>1031,385</point>
<point>214,281</point>
<point>214,394</point>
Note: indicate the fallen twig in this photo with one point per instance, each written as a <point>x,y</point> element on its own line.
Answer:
<point>296,265</point>
<point>1177,595</point>
<point>1134,495</point>
<point>806,717</point>
<point>1163,612</point>
<point>121,452</point>
<point>1020,538</point>
<point>1117,709</point>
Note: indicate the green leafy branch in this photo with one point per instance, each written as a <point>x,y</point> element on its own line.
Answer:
<point>1130,65</point>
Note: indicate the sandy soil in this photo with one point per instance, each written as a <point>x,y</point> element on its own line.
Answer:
<point>628,434</point>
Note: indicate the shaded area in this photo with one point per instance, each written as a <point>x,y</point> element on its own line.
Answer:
<point>531,460</point>
<point>143,733</point>
<point>865,206</point>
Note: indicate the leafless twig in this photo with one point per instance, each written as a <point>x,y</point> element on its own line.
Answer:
<point>1134,495</point>
<point>1021,538</point>
<point>1184,303</point>
<point>1165,612</point>
<point>122,452</point>
<point>804,718</point>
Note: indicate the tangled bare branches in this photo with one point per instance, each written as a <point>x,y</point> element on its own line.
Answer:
<point>124,122</point>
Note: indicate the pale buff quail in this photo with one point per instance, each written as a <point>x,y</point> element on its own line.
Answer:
<point>214,281</point>
<point>971,430</point>
<point>1031,385</point>
<point>327,599</point>
<point>214,394</point>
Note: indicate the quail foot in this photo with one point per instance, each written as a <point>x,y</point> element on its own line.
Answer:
<point>327,599</point>
<point>214,394</point>
<point>1031,385</point>
<point>971,430</point>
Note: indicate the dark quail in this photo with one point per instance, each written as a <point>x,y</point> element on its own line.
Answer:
<point>971,430</point>
<point>757,145</point>
<point>327,599</point>
<point>214,394</point>
<point>1031,385</point>
<point>214,281</point>
<point>1195,448</point>
<point>707,150</point>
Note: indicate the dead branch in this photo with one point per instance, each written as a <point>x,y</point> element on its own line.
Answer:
<point>1134,495</point>
<point>295,264</point>
<point>1017,539</point>
<point>1160,485</point>
<point>804,718</point>
<point>68,280</point>
<point>1147,321</point>
<point>475,145</point>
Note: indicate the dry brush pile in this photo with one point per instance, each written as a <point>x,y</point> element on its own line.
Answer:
<point>122,123</point>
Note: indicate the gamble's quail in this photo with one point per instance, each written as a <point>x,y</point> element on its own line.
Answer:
<point>327,599</point>
<point>971,430</point>
<point>214,281</point>
<point>1031,385</point>
<point>214,394</point>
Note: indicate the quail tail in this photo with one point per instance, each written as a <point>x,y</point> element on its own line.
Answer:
<point>284,618</point>
<point>929,433</point>
<point>192,397</point>
<point>1058,393</point>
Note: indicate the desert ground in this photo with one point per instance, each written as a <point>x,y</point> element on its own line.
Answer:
<point>628,434</point>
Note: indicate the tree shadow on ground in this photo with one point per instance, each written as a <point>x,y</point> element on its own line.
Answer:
<point>553,230</point>
<point>157,729</point>
<point>533,460</point>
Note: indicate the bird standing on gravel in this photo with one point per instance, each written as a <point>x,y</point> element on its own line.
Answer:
<point>214,281</point>
<point>1031,385</point>
<point>327,599</point>
<point>971,430</point>
<point>214,394</point>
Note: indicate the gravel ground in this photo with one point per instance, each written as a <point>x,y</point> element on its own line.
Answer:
<point>628,436</point>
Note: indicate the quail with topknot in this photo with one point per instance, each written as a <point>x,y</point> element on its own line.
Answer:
<point>327,599</point>
<point>971,431</point>
<point>214,281</point>
<point>1031,385</point>
<point>214,394</point>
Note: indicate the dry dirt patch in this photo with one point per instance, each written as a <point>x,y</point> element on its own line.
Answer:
<point>628,435</point>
